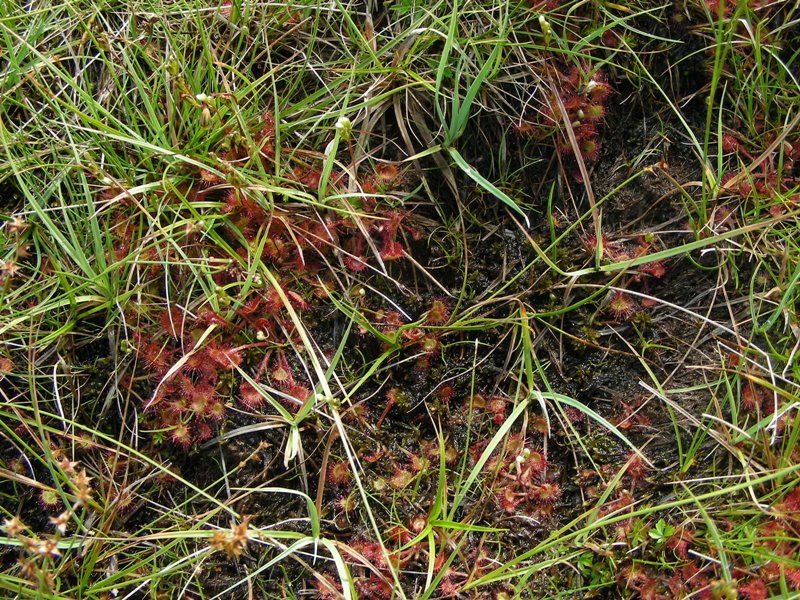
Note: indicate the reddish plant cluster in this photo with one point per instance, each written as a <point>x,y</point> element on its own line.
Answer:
<point>522,481</point>
<point>546,5</point>
<point>423,341</point>
<point>189,376</point>
<point>754,398</point>
<point>691,575</point>
<point>372,578</point>
<point>699,580</point>
<point>767,179</point>
<point>191,379</point>
<point>631,415</point>
<point>438,312</point>
<point>619,305</point>
<point>186,401</point>
<point>578,101</point>
<point>304,246</point>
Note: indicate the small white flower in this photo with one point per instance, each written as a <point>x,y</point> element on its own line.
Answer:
<point>344,127</point>
<point>543,23</point>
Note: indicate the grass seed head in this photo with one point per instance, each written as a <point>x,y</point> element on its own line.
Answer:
<point>233,542</point>
<point>13,527</point>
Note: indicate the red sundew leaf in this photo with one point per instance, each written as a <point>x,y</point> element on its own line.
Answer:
<point>327,589</point>
<point>199,404</point>
<point>585,131</point>
<point>215,411</point>
<point>268,123</point>
<point>395,218</point>
<point>595,112</point>
<point>206,316</point>
<point>275,248</point>
<point>355,263</point>
<point>598,88</point>
<point>574,415</point>
<point>224,356</point>
<point>207,179</point>
<point>386,172</point>
<point>250,305</point>
<point>753,590</point>
<point>648,302</point>
<point>793,577</point>
<point>297,300</point>
<point>546,493</point>
<point>524,128</point>
<point>438,312</point>
<point>250,396</point>
<point>729,143</point>
<point>392,250</point>
<point>298,392</point>
<point>401,479</point>
<point>315,235</point>
<point>231,201</point>
<point>654,269</point>
<point>369,550</point>
<point>226,9</point>
<point>280,374</point>
<point>429,345</point>
<point>792,501</point>
<point>157,358</point>
<point>310,178</point>
<point>445,392</point>
<point>572,102</point>
<point>252,211</point>
<point>338,473</point>
<point>203,431</point>
<point>621,306</point>
<point>272,301</point>
<point>264,325</point>
<point>181,435</point>
<point>590,149</point>
<point>507,499</point>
